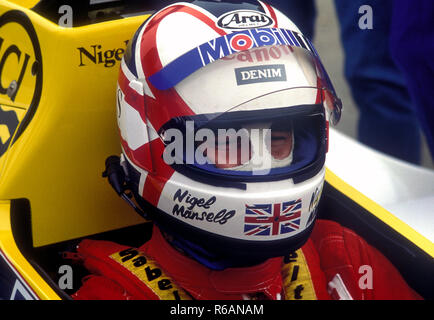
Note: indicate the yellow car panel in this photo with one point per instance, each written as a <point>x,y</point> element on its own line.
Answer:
<point>26,282</point>
<point>25,3</point>
<point>18,59</point>
<point>69,127</point>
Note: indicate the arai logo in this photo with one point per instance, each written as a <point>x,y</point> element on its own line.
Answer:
<point>244,19</point>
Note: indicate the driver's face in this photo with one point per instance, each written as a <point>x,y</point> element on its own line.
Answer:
<point>281,148</point>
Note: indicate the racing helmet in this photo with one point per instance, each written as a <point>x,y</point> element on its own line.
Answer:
<point>223,110</point>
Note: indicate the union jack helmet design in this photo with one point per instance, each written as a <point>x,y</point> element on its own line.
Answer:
<point>239,68</point>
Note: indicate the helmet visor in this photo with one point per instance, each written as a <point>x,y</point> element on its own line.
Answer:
<point>260,113</point>
<point>248,143</point>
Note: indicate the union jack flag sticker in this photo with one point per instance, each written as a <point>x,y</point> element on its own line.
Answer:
<point>272,219</point>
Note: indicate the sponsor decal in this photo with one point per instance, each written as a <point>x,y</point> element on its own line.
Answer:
<point>95,54</point>
<point>272,219</point>
<point>222,47</point>
<point>8,124</point>
<point>258,74</point>
<point>297,281</point>
<point>12,285</point>
<point>263,54</point>
<point>149,273</point>
<point>244,19</point>
<point>245,40</point>
<point>12,54</point>
<point>199,209</point>
<point>314,201</point>
<point>20,75</point>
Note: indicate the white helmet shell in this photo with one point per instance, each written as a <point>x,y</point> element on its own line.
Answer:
<point>224,61</point>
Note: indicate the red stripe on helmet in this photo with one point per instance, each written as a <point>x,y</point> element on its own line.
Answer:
<point>167,104</point>
<point>141,157</point>
<point>154,184</point>
<point>319,92</point>
<point>132,97</point>
<point>149,158</point>
<point>152,63</point>
<point>272,13</point>
<point>204,18</point>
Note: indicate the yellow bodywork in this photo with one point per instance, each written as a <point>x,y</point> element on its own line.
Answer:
<point>57,160</point>
<point>9,248</point>
<point>24,3</point>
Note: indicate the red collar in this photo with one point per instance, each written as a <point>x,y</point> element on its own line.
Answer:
<point>205,284</point>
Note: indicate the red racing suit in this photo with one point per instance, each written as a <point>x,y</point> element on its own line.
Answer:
<point>335,263</point>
